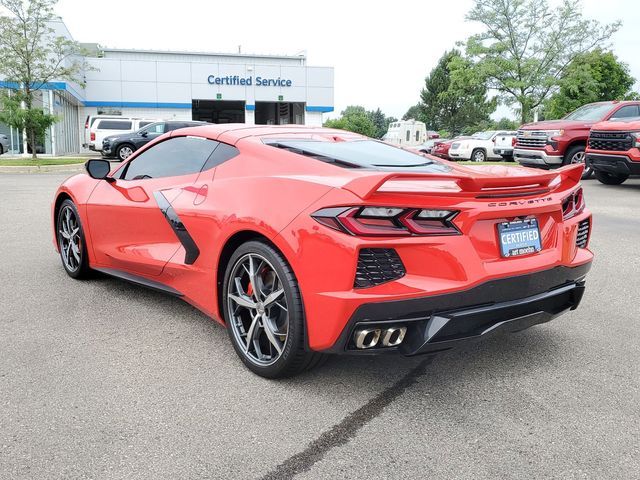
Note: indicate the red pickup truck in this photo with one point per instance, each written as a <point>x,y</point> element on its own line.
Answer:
<point>554,143</point>
<point>613,151</point>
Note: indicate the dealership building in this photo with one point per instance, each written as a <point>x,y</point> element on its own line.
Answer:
<point>212,87</point>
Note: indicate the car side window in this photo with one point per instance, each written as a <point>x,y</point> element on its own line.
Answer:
<point>627,111</point>
<point>171,158</point>
<point>154,129</point>
<point>222,153</point>
<point>114,125</point>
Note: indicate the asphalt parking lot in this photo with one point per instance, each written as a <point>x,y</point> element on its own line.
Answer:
<point>102,379</point>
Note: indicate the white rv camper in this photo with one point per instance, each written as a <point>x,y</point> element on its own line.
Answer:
<point>406,133</point>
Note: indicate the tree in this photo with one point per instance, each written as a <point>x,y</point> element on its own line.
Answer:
<point>527,46</point>
<point>381,122</point>
<point>356,118</point>
<point>32,56</point>
<point>455,97</point>
<point>414,112</point>
<point>590,77</point>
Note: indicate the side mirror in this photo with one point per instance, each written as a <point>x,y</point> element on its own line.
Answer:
<point>144,134</point>
<point>98,169</point>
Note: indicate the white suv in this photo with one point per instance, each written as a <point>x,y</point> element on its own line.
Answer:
<point>482,146</point>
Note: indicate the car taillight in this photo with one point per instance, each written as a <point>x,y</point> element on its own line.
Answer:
<point>388,221</point>
<point>93,136</point>
<point>573,205</point>
<point>514,140</point>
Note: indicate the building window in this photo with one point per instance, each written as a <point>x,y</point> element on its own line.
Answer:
<point>408,135</point>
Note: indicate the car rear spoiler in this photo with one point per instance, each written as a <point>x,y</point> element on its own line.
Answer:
<point>476,184</point>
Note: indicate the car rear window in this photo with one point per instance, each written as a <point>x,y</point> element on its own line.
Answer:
<point>114,125</point>
<point>359,154</point>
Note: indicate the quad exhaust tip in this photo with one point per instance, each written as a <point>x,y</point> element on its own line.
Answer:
<point>371,337</point>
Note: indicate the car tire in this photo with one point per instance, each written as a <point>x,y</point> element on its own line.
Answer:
<point>71,241</point>
<point>1,150</point>
<point>478,155</point>
<point>278,348</point>
<point>124,151</point>
<point>610,178</point>
<point>576,154</point>
<point>508,158</point>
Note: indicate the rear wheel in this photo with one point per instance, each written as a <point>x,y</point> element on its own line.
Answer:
<point>1,150</point>
<point>610,178</point>
<point>71,241</point>
<point>576,155</point>
<point>264,313</point>
<point>478,155</point>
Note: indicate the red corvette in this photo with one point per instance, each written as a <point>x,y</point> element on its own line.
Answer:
<point>307,241</point>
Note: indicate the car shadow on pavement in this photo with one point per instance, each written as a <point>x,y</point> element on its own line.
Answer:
<point>504,354</point>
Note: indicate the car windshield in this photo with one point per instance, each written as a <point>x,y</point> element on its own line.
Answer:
<point>360,154</point>
<point>484,135</point>
<point>590,113</point>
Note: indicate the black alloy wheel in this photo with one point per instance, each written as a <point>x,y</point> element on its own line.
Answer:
<point>264,313</point>
<point>71,241</point>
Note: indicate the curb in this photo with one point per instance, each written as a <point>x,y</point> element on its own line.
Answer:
<point>27,169</point>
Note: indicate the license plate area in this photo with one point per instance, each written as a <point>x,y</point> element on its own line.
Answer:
<point>520,237</point>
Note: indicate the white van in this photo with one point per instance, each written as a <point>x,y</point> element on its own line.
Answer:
<point>97,127</point>
<point>406,133</point>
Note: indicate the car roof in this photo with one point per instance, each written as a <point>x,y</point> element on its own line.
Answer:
<point>233,132</point>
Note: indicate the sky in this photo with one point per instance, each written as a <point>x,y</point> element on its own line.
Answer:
<point>381,51</point>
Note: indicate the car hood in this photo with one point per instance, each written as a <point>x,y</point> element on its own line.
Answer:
<point>557,125</point>
<point>618,126</point>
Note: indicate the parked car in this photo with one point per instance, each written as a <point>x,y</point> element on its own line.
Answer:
<point>613,150</point>
<point>88,123</point>
<point>271,231</point>
<point>442,149</point>
<point>503,145</point>
<point>442,146</point>
<point>432,134</point>
<point>553,143</point>
<point>429,145</point>
<point>406,133</point>
<point>122,145</point>
<point>4,144</point>
<point>480,147</point>
<point>105,126</point>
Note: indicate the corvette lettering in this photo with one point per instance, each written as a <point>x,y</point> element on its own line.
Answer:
<point>516,203</point>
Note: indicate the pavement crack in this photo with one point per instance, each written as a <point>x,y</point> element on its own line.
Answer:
<point>344,431</point>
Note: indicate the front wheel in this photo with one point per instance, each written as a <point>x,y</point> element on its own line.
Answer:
<point>610,178</point>
<point>576,155</point>
<point>264,313</point>
<point>124,151</point>
<point>478,155</point>
<point>71,241</point>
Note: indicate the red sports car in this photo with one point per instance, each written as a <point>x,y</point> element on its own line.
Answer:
<point>308,241</point>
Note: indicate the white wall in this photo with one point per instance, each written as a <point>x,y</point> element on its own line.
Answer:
<point>154,81</point>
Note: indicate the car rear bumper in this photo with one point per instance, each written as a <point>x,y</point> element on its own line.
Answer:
<point>442,322</point>
<point>536,157</point>
<point>504,151</point>
<point>610,163</point>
